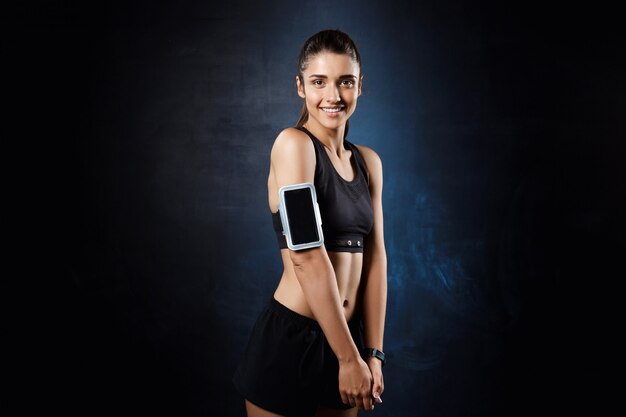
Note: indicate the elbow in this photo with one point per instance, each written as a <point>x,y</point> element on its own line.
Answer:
<point>307,260</point>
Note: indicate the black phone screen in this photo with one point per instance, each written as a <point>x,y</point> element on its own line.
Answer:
<point>301,216</point>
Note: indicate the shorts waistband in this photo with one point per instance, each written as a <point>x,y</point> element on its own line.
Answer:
<point>285,311</point>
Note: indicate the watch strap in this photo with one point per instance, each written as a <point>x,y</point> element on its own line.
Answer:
<point>378,354</point>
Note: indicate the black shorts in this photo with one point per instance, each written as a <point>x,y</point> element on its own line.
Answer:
<point>288,367</point>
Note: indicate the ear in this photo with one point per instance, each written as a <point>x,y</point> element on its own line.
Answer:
<point>300,86</point>
<point>360,84</point>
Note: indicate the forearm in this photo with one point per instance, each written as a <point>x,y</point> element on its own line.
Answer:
<point>317,279</point>
<point>375,303</point>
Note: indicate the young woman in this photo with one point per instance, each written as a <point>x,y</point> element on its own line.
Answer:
<point>316,349</point>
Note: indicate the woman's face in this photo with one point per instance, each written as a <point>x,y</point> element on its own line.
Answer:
<point>330,87</point>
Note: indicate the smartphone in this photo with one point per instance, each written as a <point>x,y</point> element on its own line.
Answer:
<point>300,216</point>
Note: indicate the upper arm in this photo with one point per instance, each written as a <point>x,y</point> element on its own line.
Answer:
<point>374,164</point>
<point>293,162</point>
<point>292,158</point>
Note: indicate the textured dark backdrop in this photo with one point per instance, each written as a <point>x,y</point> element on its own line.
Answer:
<point>148,128</point>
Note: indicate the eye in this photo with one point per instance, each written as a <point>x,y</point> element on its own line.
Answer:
<point>347,83</point>
<point>318,83</point>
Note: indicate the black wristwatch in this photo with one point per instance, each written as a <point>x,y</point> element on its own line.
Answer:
<point>378,354</point>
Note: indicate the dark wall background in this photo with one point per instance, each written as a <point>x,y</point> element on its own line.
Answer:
<point>143,135</point>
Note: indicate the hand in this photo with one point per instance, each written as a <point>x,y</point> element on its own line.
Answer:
<point>355,384</point>
<point>378,384</point>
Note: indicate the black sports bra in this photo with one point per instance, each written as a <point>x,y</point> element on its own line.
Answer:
<point>345,206</point>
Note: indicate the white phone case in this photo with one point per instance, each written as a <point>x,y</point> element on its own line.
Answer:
<point>284,216</point>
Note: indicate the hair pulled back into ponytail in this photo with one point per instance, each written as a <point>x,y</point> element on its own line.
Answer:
<point>332,40</point>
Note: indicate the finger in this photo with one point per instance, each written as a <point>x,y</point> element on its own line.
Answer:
<point>352,401</point>
<point>377,391</point>
<point>344,398</point>
<point>367,402</point>
<point>379,385</point>
<point>376,396</point>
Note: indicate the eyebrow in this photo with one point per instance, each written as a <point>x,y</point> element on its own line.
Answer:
<point>324,76</point>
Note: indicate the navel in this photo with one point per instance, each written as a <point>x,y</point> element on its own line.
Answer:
<point>345,303</point>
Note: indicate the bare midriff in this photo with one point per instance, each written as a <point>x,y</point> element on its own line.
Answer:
<point>347,268</point>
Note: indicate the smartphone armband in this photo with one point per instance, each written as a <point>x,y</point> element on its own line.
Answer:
<point>300,216</point>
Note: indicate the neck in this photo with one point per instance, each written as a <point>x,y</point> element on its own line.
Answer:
<point>331,138</point>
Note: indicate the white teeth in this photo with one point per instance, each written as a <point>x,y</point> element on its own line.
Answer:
<point>331,110</point>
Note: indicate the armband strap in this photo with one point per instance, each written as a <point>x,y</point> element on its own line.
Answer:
<point>278,229</point>
<point>378,354</point>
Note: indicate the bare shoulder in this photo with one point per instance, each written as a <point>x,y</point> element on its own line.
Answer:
<point>292,158</point>
<point>292,142</point>
<point>371,158</point>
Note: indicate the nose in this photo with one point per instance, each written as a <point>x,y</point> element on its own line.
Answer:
<point>333,95</point>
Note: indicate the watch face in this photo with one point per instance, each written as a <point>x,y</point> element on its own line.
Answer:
<point>378,354</point>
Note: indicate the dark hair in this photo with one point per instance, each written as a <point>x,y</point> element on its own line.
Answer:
<point>330,40</point>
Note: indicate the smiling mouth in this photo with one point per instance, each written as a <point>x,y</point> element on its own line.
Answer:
<point>332,109</point>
